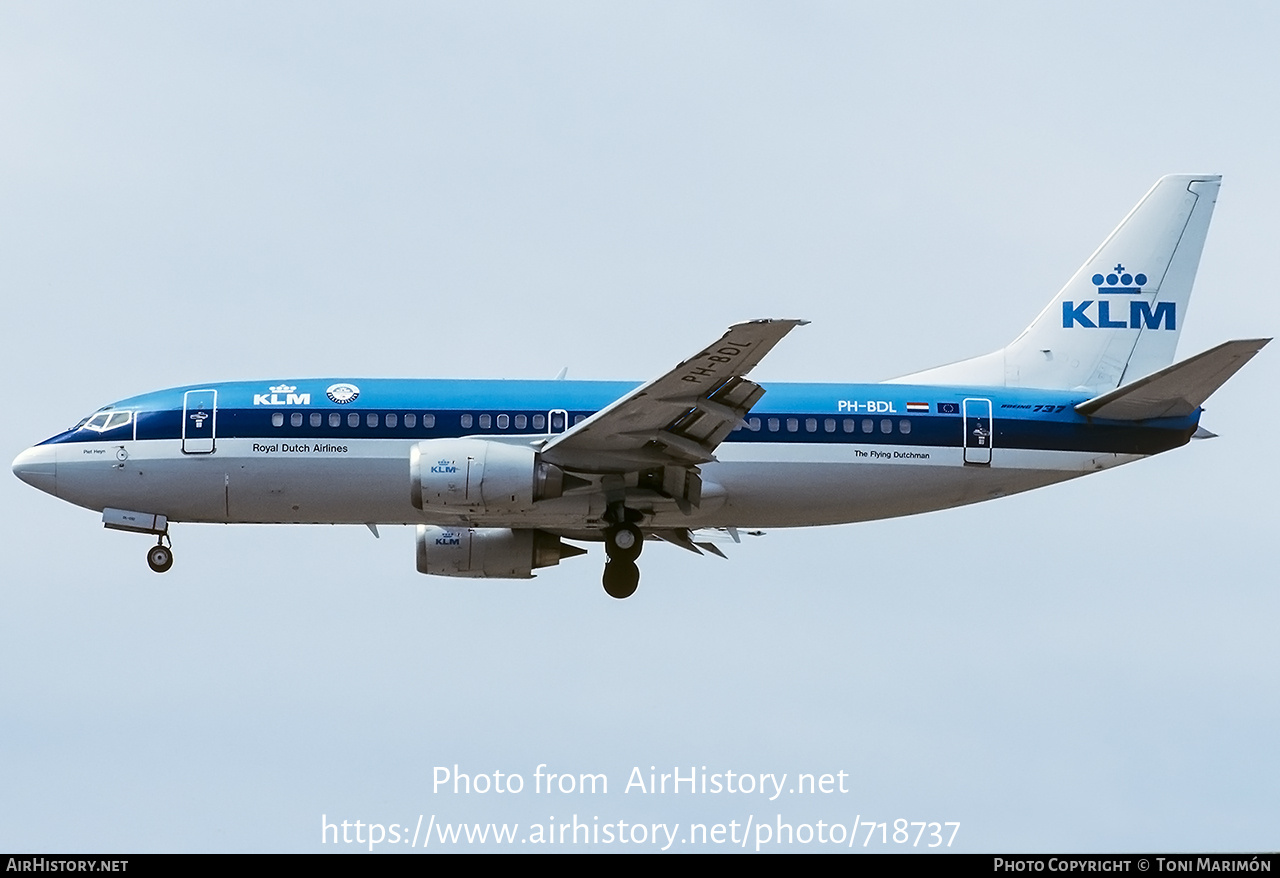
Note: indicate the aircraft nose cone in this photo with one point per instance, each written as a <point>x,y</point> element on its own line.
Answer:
<point>38,468</point>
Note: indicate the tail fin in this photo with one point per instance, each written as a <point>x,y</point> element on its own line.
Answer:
<point>1119,316</point>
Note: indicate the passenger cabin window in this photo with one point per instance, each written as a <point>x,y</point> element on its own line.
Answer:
<point>316,419</point>
<point>411,420</point>
<point>829,425</point>
<point>295,419</point>
<point>335,419</point>
<point>868,425</point>
<point>793,424</point>
<point>850,425</point>
<point>277,419</point>
<point>886,426</point>
<point>753,424</point>
<point>904,426</point>
<point>773,425</point>
<point>521,422</point>
<point>504,421</point>
<point>811,425</point>
<point>486,421</point>
<point>371,419</point>
<point>539,422</point>
<point>392,420</point>
<point>353,419</point>
<point>466,422</point>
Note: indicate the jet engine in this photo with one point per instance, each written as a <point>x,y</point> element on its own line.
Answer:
<point>489,552</point>
<point>476,475</point>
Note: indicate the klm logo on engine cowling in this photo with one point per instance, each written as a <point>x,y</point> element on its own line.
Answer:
<point>1111,314</point>
<point>444,467</point>
<point>282,394</point>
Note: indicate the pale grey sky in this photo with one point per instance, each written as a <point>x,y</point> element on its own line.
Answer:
<point>200,192</point>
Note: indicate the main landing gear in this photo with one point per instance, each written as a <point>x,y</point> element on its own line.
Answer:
<point>622,543</point>
<point>160,556</point>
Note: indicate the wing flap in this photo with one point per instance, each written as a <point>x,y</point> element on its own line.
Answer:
<point>679,418</point>
<point>1177,390</point>
<point>684,538</point>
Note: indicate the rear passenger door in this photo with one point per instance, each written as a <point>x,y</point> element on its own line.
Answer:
<point>979,432</point>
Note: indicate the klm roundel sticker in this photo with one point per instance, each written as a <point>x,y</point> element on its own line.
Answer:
<point>343,393</point>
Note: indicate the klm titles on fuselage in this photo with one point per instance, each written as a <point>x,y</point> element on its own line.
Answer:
<point>1141,314</point>
<point>282,394</point>
<point>285,394</point>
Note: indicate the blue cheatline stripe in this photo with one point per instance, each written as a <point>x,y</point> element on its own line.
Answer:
<point>926,430</point>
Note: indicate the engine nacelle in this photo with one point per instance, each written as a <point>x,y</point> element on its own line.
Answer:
<point>477,475</point>
<point>488,552</point>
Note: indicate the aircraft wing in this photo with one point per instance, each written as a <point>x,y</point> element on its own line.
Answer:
<point>678,418</point>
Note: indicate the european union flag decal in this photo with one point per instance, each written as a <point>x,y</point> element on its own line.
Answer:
<point>948,408</point>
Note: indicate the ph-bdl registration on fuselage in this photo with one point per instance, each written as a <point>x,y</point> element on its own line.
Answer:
<point>504,477</point>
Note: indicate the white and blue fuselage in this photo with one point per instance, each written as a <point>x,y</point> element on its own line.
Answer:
<point>807,454</point>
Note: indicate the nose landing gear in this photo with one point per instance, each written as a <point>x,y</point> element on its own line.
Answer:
<point>160,556</point>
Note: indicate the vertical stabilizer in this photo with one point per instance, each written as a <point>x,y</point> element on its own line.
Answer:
<point>1120,315</point>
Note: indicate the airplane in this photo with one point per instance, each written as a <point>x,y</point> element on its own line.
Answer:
<point>500,476</point>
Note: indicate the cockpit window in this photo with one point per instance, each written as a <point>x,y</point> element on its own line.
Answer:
<point>104,421</point>
<point>119,419</point>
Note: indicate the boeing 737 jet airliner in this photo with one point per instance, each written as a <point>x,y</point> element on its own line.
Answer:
<point>498,475</point>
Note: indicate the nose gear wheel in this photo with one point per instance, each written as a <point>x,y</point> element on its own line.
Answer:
<point>160,558</point>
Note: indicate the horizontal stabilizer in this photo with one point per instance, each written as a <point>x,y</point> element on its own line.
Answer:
<point>1175,391</point>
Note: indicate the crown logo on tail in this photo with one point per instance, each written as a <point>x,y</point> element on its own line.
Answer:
<point>1120,281</point>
